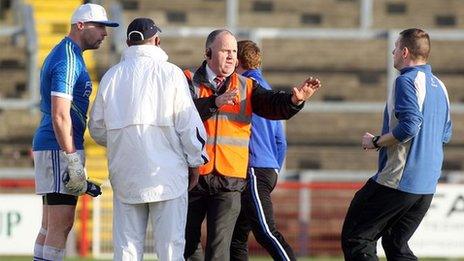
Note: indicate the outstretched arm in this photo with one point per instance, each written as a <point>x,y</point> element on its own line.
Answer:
<point>305,90</point>
<point>280,105</point>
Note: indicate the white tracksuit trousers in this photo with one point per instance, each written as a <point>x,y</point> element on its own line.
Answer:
<point>168,219</point>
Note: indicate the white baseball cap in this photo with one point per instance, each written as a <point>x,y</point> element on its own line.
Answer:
<point>92,13</point>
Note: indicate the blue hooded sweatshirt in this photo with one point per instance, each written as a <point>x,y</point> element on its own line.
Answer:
<point>267,143</point>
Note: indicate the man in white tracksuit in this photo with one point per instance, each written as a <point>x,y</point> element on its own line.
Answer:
<point>144,115</point>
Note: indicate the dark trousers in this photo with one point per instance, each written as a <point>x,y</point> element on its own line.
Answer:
<point>379,211</point>
<point>221,207</point>
<point>257,215</point>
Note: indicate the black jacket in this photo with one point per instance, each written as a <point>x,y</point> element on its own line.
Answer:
<point>269,104</point>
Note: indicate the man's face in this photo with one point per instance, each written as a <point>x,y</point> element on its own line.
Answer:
<point>223,55</point>
<point>398,55</point>
<point>93,35</point>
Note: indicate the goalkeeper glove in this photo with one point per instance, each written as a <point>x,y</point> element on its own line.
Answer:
<point>89,187</point>
<point>76,176</point>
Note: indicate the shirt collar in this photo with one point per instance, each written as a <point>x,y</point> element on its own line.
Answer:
<point>210,75</point>
<point>145,50</point>
<point>74,44</point>
<point>424,67</point>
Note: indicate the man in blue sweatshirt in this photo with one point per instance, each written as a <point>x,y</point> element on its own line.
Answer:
<point>267,152</point>
<point>416,125</point>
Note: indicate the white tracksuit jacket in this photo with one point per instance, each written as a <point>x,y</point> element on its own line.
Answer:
<point>144,114</point>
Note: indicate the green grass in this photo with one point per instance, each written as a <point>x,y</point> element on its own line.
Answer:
<point>28,258</point>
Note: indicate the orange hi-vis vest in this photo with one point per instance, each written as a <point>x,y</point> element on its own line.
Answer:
<point>228,129</point>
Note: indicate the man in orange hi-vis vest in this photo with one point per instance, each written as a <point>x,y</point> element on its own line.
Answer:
<point>225,101</point>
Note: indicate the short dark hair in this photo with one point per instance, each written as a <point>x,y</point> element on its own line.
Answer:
<point>213,35</point>
<point>417,41</point>
<point>141,42</point>
<point>249,54</point>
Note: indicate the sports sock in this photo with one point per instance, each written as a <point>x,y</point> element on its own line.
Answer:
<point>38,248</point>
<point>38,252</point>
<point>53,253</point>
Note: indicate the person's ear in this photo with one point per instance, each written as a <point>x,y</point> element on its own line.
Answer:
<point>157,41</point>
<point>405,52</point>
<point>208,53</point>
<point>80,25</point>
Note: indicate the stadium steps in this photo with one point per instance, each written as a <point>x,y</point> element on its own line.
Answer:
<point>15,137</point>
<point>341,86</point>
<point>174,12</point>
<point>12,70</point>
<point>299,13</point>
<point>13,83</point>
<point>385,16</point>
<point>17,124</point>
<point>12,57</point>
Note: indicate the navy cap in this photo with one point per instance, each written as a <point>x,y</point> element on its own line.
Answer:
<point>141,29</point>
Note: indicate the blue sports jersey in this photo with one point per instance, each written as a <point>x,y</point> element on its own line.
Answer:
<point>418,115</point>
<point>63,74</point>
<point>267,142</point>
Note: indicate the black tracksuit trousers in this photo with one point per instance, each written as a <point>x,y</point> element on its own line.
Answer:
<point>379,211</point>
<point>257,215</point>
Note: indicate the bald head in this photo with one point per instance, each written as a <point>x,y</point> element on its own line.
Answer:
<point>221,52</point>
<point>213,35</point>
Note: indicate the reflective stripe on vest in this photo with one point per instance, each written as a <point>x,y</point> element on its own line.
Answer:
<point>228,130</point>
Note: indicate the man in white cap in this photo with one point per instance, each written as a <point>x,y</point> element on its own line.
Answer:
<point>65,88</point>
<point>143,113</point>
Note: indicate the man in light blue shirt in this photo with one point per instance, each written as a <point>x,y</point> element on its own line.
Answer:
<point>416,125</point>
